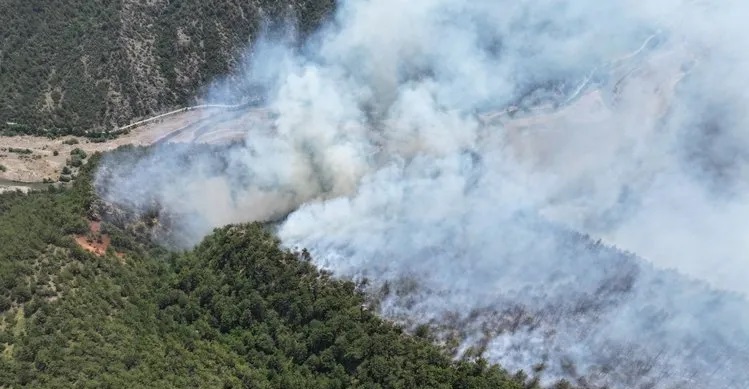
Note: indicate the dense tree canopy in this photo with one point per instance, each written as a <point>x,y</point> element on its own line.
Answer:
<point>237,311</point>
<point>70,66</point>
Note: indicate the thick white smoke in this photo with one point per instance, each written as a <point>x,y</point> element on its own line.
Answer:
<point>446,150</point>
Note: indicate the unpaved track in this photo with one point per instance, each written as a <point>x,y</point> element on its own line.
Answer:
<point>222,123</point>
<point>532,135</point>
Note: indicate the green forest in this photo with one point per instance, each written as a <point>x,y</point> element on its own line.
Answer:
<point>237,311</point>
<point>83,67</point>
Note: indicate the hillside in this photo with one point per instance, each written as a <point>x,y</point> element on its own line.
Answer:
<point>71,66</point>
<point>237,311</point>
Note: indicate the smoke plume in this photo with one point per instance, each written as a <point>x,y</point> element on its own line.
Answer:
<point>477,163</point>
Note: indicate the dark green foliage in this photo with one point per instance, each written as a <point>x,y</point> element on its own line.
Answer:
<point>75,161</point>
<point>237,311</point>
<point>79,153</point>
<point>71,141</point>
<point>3,168</point>
<point>81,67</point>
<point>277,311</point>
<point>19,151</point>
<point>30,225</point>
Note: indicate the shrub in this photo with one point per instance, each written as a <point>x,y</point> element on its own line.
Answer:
<point>78,152</point>
<point>21,293</point>
<point>71,141</point>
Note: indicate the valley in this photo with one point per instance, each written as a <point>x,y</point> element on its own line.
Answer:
<point>46,157</point>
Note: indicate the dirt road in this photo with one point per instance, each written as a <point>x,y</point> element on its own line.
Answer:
<point>534,136</point>
<point>33,159</point>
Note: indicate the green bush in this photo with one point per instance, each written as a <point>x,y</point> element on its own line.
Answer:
<point>75,161</point>
<point>78,152</point>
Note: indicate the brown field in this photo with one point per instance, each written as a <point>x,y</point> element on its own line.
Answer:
<point>205,126</point>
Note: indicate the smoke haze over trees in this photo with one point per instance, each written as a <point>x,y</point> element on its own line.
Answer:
<point>474,161</point>
<point>236,312</point>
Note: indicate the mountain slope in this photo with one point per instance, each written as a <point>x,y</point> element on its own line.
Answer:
<point>237,311</point>
<point>79,65</point>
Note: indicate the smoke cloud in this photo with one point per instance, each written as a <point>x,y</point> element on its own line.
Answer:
<point>477,162</point>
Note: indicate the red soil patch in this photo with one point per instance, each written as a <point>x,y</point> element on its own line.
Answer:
<point>95,241</point>
<point>97,245</point>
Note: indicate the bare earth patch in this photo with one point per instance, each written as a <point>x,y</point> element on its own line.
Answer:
<point>96,242</point>
<point>97,246</point>
<point>42,163</point>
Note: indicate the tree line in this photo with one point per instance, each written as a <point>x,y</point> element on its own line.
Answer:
<point>237,311</point>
